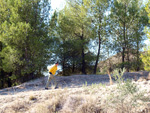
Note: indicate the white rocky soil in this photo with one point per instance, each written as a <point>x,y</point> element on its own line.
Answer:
<point>76,93</point>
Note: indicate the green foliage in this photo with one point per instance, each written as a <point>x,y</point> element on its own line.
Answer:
<point>118,75</point>
<point>23,33</point>
<point>29,40</point>
<point>128,88</point>
<point>146,56</point>
<point>85,85</point>
<point>98,11</point>
<point>132,65</point>
<point>93,87</point>
<point>126,98</point>
<point>71,36</point>
<point>126,95</point>
<point>146,59</point>
<point>128,19</point>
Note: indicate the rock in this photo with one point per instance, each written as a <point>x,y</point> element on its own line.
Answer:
<point>145,82</point>
<point>142,79</point>
<point>148,77</point>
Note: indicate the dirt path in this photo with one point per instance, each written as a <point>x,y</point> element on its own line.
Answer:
<point>73,81</point>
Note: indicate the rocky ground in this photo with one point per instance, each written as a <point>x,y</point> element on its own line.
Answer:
<point>74,81</point>
<point>31,97</point>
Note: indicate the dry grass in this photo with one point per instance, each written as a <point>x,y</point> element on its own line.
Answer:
<point>16,107</point>
<point>68,100</point>
<point>87,99</point>
<point>71,104</point>
<point>110,78</point>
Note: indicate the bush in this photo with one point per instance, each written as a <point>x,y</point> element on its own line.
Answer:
<point>146,59</point>
<point>118,75</point>
<point>32,98</point>
<point>126,98</point>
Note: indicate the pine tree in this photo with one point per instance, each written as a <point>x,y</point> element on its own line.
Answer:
<point>99,9</point>
<point>146,56</point>
<point>74,26</point>
<point>126,24</point>
<point>23,35</point>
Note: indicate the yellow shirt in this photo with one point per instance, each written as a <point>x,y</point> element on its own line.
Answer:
<point>53,69</point>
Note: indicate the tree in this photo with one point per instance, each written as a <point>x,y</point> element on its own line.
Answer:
<point>99,10</point>
<point>126,18</point>
<point>74,29</point>
<point>82,21</point>
<point>138,37</point>
<point>4,16</point>
<point>146,56</point>
<point>23,34</point>
<point>62,42</point>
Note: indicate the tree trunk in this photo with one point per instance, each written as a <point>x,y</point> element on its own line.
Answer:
<point>83,55</point>
<point>63,65</point>
<point>123,56</point>
<point>83,61</point>
<point>124,45</point>
<point>2,77</point>
<point>138,59</point>
<point>128,59</point>
<point>124,41</point>
<point>73,66</point>
<point>9,83</point>
<point>98,53</point>
<point>138,62</point>
<point>1,70</point>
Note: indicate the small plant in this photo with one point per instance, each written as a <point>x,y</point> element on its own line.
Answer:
<point>85,84</point>
<point>118,75</point>
<point>128,88</point>
<point>32,98</point>
<point>102,85</point>
<point>126,96</point>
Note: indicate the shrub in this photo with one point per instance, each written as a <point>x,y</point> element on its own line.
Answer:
<point>118,75</point>
<point>32,98</point>
<point>126,98</point>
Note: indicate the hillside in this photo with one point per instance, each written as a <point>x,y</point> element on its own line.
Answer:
<point>76,93</point>
<point>115,60</point>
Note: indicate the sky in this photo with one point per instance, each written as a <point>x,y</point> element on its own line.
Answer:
<point>57,4</point>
